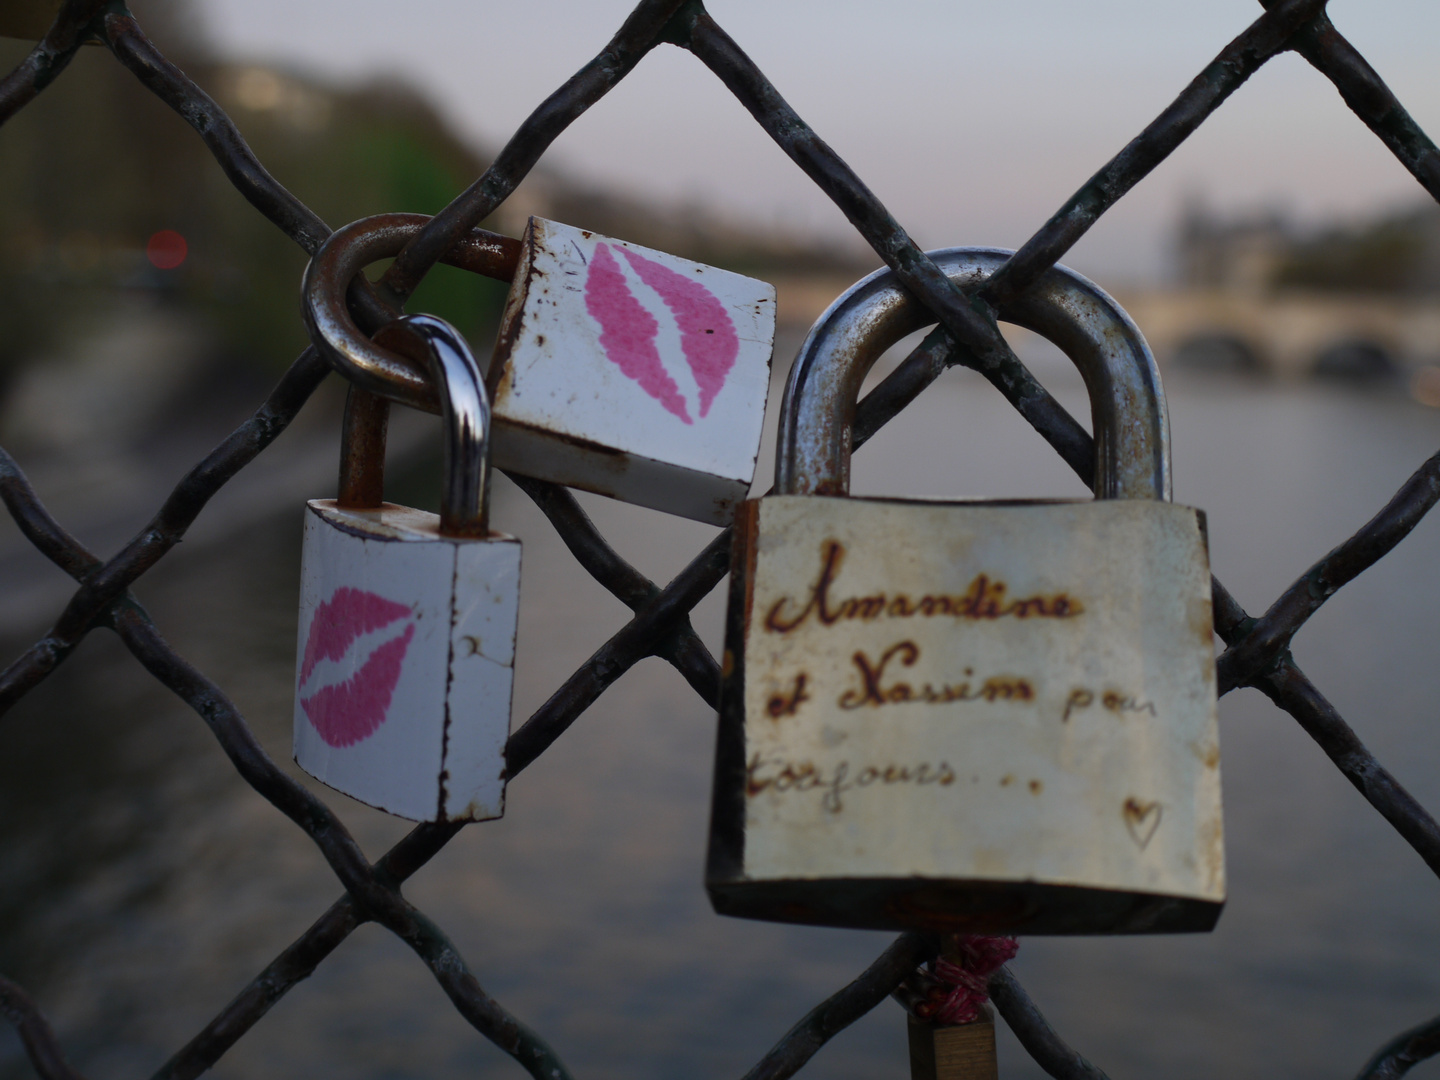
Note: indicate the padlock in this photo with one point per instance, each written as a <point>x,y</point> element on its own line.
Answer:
<point>984,717</point>
<point>618,369</point>
<point>406,652</point>
<point>953,1052</point>
<point>632,373</point>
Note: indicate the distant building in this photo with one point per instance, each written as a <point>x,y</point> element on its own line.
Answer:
<point>1239,254</point>
<point>1258,293</point>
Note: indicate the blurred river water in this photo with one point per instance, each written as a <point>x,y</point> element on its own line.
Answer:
<point>144,883</point>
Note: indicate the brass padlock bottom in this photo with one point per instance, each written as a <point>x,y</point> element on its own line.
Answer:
<point>956,1052</point>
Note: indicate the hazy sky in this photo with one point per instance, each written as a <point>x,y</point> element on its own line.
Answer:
<point>972,121</point>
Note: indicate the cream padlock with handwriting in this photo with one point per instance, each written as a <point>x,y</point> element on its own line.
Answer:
<point>989,717</point>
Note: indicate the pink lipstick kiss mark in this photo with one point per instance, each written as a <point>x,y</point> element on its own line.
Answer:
<point>341,619</point>
<point>707,335</point>
<point>344,713</point>
<point>628,331</point>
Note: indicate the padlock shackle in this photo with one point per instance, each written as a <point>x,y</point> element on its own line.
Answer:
<point>349,250</point>
<point>362,450</point>
<point>1132,429</point>
<point>465,494</point>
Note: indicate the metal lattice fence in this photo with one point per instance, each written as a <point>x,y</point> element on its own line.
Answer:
<point>1257,653</point>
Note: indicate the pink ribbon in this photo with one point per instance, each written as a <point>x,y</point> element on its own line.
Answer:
<point>954,992</point>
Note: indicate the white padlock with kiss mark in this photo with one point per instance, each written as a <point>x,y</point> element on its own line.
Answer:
<point>632,372</point>
<point>407,619</point>
<point>618,369</point>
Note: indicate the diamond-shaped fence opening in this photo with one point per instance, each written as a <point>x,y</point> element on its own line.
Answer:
<point>1257,647</point>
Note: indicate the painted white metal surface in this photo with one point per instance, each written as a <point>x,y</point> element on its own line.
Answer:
<point>632,373</point>
<point>405,661</point>
<point>993,693</point>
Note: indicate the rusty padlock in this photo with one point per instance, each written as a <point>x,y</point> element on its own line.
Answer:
<point>407,627</point>
<point>618,369</point>
<point>981,717</point>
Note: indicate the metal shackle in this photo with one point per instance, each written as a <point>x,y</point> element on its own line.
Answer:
<point>1132,430</point>
<point>465,411</point>
<point>328,277</point>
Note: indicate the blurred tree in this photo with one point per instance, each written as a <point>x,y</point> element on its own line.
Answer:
<point>96,166</point>
<point>346,154</point>
<point>1397,253</point>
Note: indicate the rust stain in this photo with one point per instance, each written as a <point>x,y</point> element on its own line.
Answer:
<point>499,379</point>
<point>1201,618</point>
<point>362,451</point>
<point>1211,847</point>
<point>747,538</point>
<point>1207,753</point>
<point>504,385</point>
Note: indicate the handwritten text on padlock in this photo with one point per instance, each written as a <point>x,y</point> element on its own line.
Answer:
<point>877,680</point>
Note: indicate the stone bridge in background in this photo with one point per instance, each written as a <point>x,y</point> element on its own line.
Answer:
<point>1289,333</point>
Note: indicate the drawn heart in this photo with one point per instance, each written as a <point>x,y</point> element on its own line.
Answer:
<point>629,332</point>
<point>346,712</point>
<point>1142,819</point>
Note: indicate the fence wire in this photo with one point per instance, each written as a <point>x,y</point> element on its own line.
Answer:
<point>1257,648</point>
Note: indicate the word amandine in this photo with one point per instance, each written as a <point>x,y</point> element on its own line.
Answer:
<point>982,599</point>
<point>806,776</point>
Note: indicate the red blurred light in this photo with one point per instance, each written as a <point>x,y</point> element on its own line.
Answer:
<point>166,249</point>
